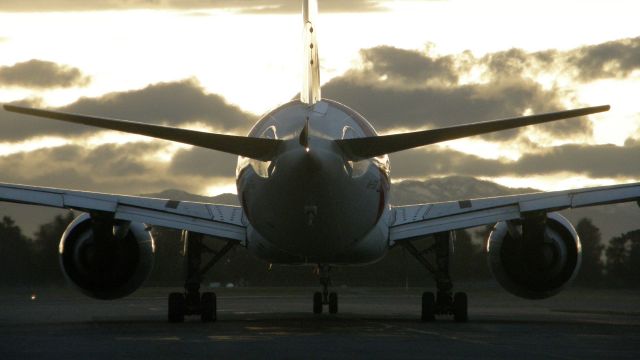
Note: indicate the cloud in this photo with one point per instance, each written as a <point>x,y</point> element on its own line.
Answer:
<point>128,169</point>
<point>610,60</point>
<point>613,59</point>
<point>41,74</point>
<point>594,161</point>
<point>399,88</point>
<point>204,163</point>
<point>389,101</point>
<point>394,88</point>
<point>173,103</point>
<point>409,67</point>
<point>252,6</point>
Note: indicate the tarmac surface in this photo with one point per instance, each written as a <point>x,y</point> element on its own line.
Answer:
<point>277,323</point>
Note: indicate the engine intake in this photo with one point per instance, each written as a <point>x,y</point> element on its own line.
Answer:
<point>538,266</point>
<point>106,260</point>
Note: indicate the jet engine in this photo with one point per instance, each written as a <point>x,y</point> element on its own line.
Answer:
<point>536,258</point>
<point>106,259</point>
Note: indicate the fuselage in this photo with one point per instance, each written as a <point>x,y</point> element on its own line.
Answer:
<point>310,205</point>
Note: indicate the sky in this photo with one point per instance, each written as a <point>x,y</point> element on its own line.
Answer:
<point>405,65</point>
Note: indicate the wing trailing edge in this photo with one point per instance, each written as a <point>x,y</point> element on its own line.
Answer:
<point>254,148</point>
<point>367,147</point>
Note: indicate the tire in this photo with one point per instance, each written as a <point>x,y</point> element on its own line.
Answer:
<point>317,303</point>
<point>176,307</point>
<point>443,300</point>
<point>460,307</point>
<point>209,307</point>
<point>428,307</point>
<point>333,303</point>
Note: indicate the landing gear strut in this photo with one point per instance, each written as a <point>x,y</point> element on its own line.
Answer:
<point>445,302</point>
<point>191,301</point>
<point>325,297</point>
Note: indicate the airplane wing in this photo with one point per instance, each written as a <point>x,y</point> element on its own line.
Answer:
<point>222,221</point>
<point>416,221</point>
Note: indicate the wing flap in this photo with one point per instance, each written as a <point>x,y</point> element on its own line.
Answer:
<point>421,220</point>
<point>223,221</point>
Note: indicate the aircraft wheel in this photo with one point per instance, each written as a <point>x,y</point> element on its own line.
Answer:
<point>460,307</point>
<point>209,305</point>
<point>176,307</point>
<point>428,306</point>
<point>317,303</point>
<point>333,303</point>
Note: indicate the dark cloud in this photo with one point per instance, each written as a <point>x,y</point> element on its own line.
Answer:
<point>613,59</point>
<point>397,88</point>
<point>41,74</point>
<point>128,169</point>
<point>253,6</point>
<point>517,63</point>
<point>389,106</point>
<point>408,66</point>
<point>595,161</point>
<point>172,104</point>
<point>204,163</point>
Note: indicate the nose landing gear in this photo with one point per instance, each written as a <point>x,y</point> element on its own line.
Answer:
<point>325,297</point>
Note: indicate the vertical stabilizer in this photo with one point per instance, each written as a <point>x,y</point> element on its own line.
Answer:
<point>311,72</point>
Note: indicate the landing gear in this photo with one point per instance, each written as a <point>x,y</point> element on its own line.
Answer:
<point>460,307</point>
<point>208,307</point>
<point>176,307</point>
<point>333,303</point>
<point>191,302</point>
<point>317,302</point>
<point>445,302</point>
<point>428,307</point>
<point>325,297</point>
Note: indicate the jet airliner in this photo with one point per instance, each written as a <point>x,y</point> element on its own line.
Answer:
<point>313,181</point>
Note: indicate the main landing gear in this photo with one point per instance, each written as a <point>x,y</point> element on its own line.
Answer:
<point>191,302</point>
<point>445,302</point>
<point>325,297</point>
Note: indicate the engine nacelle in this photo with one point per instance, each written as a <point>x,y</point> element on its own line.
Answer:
<point>108,269</point>
<point>538,270</point>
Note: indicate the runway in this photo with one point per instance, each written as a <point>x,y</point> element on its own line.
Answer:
<point>277,323</point>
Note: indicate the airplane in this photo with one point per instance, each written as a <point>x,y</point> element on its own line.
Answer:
<point>313,180</point>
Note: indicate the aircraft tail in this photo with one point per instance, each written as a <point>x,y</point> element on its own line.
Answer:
<point>310,93</point>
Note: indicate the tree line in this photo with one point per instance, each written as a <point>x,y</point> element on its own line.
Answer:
<point>33,261</point>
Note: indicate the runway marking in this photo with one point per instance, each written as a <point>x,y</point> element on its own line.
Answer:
<point>147,338</point>
<point>433,333</point>
<point>235,338</point>
<point>597,312</point>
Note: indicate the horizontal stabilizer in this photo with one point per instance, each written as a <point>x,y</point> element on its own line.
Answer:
<point>255,148</point>
<point>367,147</point>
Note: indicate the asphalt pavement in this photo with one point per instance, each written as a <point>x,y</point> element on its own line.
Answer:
<point>277,323</point>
